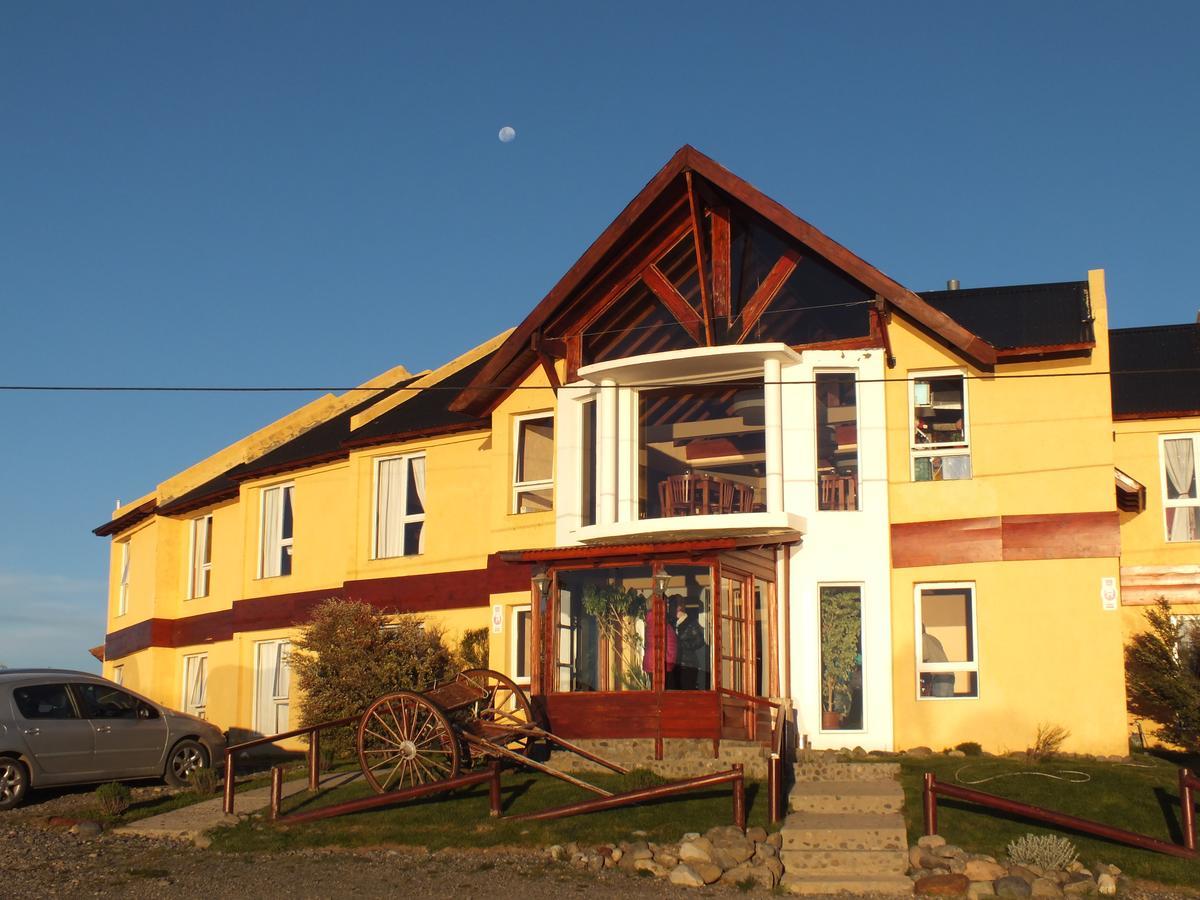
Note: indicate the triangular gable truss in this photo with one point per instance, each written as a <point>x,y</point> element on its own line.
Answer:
<point>695,200</point>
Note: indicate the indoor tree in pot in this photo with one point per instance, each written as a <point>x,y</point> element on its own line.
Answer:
<point>840,628</point>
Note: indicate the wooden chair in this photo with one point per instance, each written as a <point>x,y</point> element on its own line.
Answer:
<point>677,497</point>
<point>744,498</point>
<point>728,496</point>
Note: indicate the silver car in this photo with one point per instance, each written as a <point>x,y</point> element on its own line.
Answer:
<point>61,727</point>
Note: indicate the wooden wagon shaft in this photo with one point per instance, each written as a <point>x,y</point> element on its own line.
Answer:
<point>534,731</point>
<point>489,747</point>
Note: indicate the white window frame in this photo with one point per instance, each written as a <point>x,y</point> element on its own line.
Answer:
<point>523,487</point>
<point>949,448</point>
<point>406,518</point>
<point>929,668</point>
<point>123,581</point>
<point>592,401</point>
<point>861,586</point>
<point>287,543</point>
<point>516,644</point>
<point>119,674</point>
<point>282,645</point>
<point>199,709</point>
<point>1182,503</point>
<point>201,526</point>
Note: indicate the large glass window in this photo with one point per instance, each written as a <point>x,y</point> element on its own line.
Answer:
<point>200,576</point>
<point>195,684</point>
<point>837,440</point>
<point>1181,500</point>
<point>701,450</point>
<point>533,474</point>
<point>689,612</point>
<point>275,551</point>
<point>947,665</point>
<point>605,630</point>
<point>734,633</point>
<point>522,624</point>
<point>841,658</point>
<point>589,461</point>
<point>941,449</point>
<point>399,506</point>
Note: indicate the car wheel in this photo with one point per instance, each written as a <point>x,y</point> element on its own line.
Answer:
<point>14,782</point>
<point>185,758</point>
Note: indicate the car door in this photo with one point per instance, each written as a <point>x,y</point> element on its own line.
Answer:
<point>130,735</point>
<point>60,740</point>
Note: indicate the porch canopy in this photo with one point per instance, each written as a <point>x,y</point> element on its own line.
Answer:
<point>659,639</point>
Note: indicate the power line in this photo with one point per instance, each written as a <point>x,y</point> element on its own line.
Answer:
<point>741,382</point>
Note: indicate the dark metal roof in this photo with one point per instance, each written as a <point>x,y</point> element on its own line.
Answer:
<point>1023,315</point>
<point>1156,370</point>
<point>427,413</point>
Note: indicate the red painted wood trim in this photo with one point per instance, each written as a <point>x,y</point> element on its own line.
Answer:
<point>771,285</point>
<point>720,262</point>
<point>1164,414</point>
<point>673,301</point>
<point>701,266</point>
<point>996,538</point>
<point>407,593</point>
<point>644,549</point>
<point>1014,353</point>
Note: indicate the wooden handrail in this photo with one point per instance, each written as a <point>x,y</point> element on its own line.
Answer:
<point>1187,781</point>
<point>314,753</point>
<point>762,701</point>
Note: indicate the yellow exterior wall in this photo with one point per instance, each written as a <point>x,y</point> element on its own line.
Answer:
<point>1038,445</point>
<point>1048,653</point>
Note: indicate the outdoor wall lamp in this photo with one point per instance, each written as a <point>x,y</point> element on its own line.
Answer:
<point>661,580</point>
<point>541,581</point>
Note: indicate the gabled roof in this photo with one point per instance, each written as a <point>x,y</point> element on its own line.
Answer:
<point>517,356</point>
<point>1155,371</point>
<point>1023,316</point>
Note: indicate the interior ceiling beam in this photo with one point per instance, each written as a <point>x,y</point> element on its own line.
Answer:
<point>701,268</point>
<point>768,290</point>
<point>674,301</point>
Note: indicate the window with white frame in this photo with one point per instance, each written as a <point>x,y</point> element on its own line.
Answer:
<point>195,684</point>
<point>273,674</point>
<point>275,532</point>
<point>533,469</point>
<point>1181,500</point>
<point>123,584</point>
<point>118,674</point>
<point>522,630</point>
<point>941,448</point>
<point>946,641</point>
<point>200,570</point>
<point>399,506</point>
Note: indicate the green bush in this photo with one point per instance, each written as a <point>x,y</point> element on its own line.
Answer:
<point>970,748</point>
<point>113,798</point>
<point>473,649</point>
<point>1162,678</point>
<point>203,781</point>
<point>345,659</point>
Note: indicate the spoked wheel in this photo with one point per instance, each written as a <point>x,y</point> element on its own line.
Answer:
<point>404,740</point>
<point>503,707</point>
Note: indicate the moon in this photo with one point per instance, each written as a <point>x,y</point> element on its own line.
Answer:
<point>507,134</point>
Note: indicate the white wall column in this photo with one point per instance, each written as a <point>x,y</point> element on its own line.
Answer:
<point>606,461</point>
<point>773,422</point>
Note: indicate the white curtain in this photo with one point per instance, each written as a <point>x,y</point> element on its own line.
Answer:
<point>197,682</point>
<point>389,531</point>
<point>1180,462</point>
<point>200,556</point>
<point>272,530</point>
<point>125,564</point>
<point>418,475</point>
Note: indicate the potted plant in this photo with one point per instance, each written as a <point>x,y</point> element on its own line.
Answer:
<point>840,627</point>
<point>613,606</point>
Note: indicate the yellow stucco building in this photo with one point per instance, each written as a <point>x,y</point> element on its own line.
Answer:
<point>920,519</point>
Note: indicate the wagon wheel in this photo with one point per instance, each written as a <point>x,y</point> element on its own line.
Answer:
<point>504,706</point>
<point>404,740</point>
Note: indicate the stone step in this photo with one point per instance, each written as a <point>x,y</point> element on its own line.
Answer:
<point>846,796</point>
<point>847,884</point>
<point>846,771</point>
<point>844,862</point>
<point>844,831</point>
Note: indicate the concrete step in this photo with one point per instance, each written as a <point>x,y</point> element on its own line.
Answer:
<point>847,884</point>
<point>844,862</point>
<point>846,796</point>
<point>820,770</point>
<point>844,831</point>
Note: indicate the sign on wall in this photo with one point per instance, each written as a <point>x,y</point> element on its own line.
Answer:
<point>1108,593</point>
<point>497,618</point>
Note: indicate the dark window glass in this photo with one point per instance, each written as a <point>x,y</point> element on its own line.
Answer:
<point>588,476</point>
<point>837,440</point>
<point>101,701</point>
<point>44,701</point>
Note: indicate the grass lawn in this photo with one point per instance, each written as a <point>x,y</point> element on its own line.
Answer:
<point>1145,800</point>
<point>460,818</point>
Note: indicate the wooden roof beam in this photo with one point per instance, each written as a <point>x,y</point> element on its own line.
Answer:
<point>701,268</point>
<point>768,290</point>
<point>673,300</point>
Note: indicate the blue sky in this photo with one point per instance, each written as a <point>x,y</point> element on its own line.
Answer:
<point>298,193</point>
